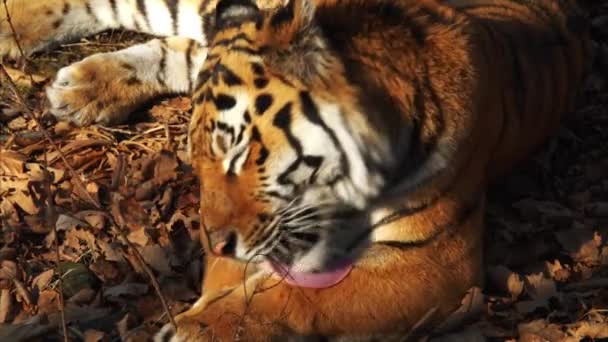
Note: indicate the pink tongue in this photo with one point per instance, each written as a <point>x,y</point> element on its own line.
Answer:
<point>309,279</point>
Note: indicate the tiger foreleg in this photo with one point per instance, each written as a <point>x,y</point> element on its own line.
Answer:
<point>40,25</point>
<point>386,289</point>
<point>105,88</point>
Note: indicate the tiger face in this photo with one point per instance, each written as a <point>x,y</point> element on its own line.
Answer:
<point>282,162</point>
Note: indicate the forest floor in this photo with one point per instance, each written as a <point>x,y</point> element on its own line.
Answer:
<point>546,236</point>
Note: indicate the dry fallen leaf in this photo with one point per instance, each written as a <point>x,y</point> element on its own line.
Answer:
<point>66,222</point>
<point>125,289</point>
<point>471,305</point>
<point>124,325</point>
<point>580,244</point>
<point>24,79</point>
<point>158,258</point>
<point>92,335</point>
<point>138,237</point>
<point>11,163</point>
<point>557,271</point>
<point>6,304</point>
<point>506,280</point>
<point>540,289</point>
<point>42,281</point>
<point>540,330</point>
<point>589,330</point>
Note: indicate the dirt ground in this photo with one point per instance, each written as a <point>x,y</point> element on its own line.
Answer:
<point>547,222</point>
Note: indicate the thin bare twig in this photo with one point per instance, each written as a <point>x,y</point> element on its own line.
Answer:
<point>28,112</point>
<point>17,42</point>
<point>121,232</point>
<point>51,208</point>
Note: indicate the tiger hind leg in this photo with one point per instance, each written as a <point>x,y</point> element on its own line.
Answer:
<point>40,25</point>
<point>105,88</point>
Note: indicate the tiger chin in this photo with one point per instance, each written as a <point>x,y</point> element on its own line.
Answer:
<point>343,146</point>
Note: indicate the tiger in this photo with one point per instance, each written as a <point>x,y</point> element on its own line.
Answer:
<point>343,147</point>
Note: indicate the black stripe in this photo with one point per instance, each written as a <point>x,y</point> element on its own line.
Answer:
<point>247,12</point>
<point>114,10</point>
<point>245,50</point>
<point>519,85</point>
<point>173,6</point>
<point>89,10</point>
<point>464,213</point>
<point>162,65</point>
<point>277,195</point>
<point>141,8</point>
<point>261,82</point>
<point>262,103</point>
<point>202,78</point>
<point>235,159</point>
<point>228,129</point>
<point>310,111</point>
<point>189,50</point>
<point>257,68</point>
<point>283,15</point>
<point>408,159</point>
<point>203,8</point>
<point>229,76</point>
<point>438,117</point>
<point>207,22</point>
<point>491,44</point>
<point>239,137</point>
<point>418,150</point>
<point>224,102</point>
<point>282,120</point>
<point>406,210</point>
<point>168,336</point>
<point>212,56</point>
<point>66,8</point>
<point>230,41</point>
<point>263,154</point>
<point>467,209</point>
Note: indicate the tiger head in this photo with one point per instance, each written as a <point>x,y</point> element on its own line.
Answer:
<point>279,144</point>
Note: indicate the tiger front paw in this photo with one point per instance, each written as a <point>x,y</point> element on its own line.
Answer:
<point>226,329</point>
<point>98,89</point>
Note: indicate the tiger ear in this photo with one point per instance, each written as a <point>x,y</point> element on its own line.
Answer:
<point>290,23</point>
<point>293,44</point>
<point>235,12</point>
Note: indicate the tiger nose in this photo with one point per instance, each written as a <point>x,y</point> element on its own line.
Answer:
<point>223,241</point>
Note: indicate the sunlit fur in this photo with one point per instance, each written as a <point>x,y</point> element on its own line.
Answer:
<point>388,119</point>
